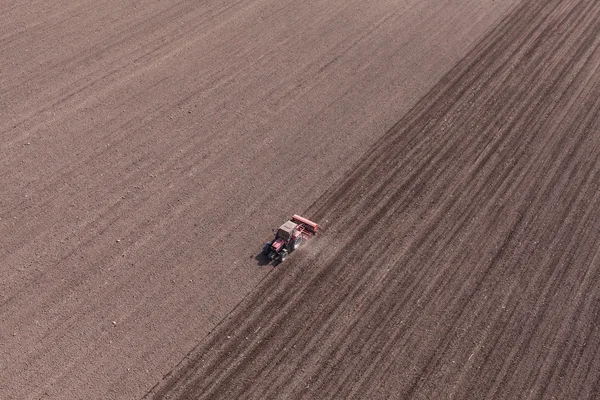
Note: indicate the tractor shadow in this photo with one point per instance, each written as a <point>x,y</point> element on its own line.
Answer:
<point>263,260</point>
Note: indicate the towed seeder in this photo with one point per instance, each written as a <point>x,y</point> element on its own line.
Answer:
<point>289,237</point>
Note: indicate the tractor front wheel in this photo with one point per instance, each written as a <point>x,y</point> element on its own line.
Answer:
<point>267,248</point>
<point>283,255</point>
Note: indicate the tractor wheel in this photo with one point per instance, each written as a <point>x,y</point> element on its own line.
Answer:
<point>283,255</point>
<point>297,243</point>
<point>267,248</point>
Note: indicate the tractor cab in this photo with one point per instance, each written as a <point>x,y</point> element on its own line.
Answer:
<point>286,231</point>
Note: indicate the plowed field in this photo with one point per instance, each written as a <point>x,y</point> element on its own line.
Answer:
<point>450,150</point>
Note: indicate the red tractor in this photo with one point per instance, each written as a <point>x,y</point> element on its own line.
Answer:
<point>289,237</point>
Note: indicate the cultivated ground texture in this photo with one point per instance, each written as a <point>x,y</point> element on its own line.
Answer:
<point>450,150</point>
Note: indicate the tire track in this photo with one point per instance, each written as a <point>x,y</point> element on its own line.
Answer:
<point>373,333</point>
<point>144,127</point>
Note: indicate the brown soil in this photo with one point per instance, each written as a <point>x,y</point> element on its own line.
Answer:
<point>449,149</point>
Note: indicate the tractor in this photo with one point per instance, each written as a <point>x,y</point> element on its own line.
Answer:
<point>289,237</point>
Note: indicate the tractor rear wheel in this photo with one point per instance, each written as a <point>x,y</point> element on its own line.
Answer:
<point>297,243</point>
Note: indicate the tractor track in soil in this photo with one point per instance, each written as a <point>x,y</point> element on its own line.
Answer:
<point>449,150</point>
<point>461,257</point>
